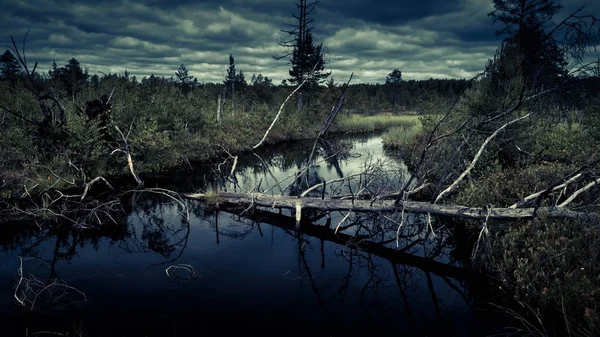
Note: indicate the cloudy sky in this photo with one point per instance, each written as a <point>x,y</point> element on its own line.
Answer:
<point>425,38</point>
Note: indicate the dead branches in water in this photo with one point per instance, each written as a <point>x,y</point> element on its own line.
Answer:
<point>328,204</point>
<point>33,293</point>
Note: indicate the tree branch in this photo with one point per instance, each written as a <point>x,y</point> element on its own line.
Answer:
<point>458,180</point>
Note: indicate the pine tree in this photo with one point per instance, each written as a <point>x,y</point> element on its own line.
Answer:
<point>526,22</point>
<point>230,80</point>
<point>10,69</point>
<point>184,79</point>
<point>307,58</point>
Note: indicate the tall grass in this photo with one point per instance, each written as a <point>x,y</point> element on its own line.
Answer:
<point>399,137</point>
<point>360,124</point>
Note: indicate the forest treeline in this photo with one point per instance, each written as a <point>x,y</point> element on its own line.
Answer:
<point>397,96</point>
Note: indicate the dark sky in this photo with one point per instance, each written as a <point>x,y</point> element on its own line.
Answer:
<point>426,38</point>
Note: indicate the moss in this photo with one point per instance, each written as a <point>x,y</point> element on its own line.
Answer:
<point>212,198</point>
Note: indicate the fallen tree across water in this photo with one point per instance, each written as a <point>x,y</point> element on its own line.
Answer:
<point>328,204</point>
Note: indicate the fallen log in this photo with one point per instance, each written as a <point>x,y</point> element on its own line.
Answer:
<point>328,204</point>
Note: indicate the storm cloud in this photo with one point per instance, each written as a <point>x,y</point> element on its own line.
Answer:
<point>424,39</point>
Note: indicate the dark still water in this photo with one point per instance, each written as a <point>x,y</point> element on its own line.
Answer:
<point>247,271</point>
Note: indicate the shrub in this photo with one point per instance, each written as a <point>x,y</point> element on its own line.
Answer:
<point>550,266</point>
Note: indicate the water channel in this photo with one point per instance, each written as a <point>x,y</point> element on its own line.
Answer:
<point>224,270</point>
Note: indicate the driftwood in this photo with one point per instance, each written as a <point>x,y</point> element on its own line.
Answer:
<point>328,204</point>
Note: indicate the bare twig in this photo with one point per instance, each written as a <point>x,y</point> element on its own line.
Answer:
<point>579,191</point>
<point>312,188</point>
<point>537,194</point>
<point>191,274</point>
<point>28,290</point>
<point>278,114</point>
<point>88,185</point>
<point>342,221</point>
<point>484,231</point>
<point>128,153</point>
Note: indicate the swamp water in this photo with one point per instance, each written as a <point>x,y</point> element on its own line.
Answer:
<point>156,274</point>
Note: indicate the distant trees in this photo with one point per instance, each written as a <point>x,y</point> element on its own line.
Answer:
<point>184,79</point>
<point>260,80</point>
<point>307,58</point>
<point>10,69</point>
<point>71,78</point>
<point>262,88</point>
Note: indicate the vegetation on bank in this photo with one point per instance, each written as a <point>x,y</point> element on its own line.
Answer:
<point>400,138</point>
<point>546,268</point>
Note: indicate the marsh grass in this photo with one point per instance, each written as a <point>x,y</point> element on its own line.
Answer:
<point>362,124</point>
<point>402,136</point>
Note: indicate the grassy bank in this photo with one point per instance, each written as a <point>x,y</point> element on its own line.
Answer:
<point>547,269</point>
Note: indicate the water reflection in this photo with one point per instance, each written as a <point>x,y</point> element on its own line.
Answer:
<point>170,268</point>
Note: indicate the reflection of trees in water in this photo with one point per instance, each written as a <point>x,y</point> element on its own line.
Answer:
<point>157,224</point>
<point>225,224</point>
<point>379,283</point>
<point>54,241</point>
<point>377,271</point>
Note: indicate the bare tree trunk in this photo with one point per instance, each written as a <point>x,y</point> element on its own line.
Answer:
<point>219,110</point>
<point>233,98</point>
